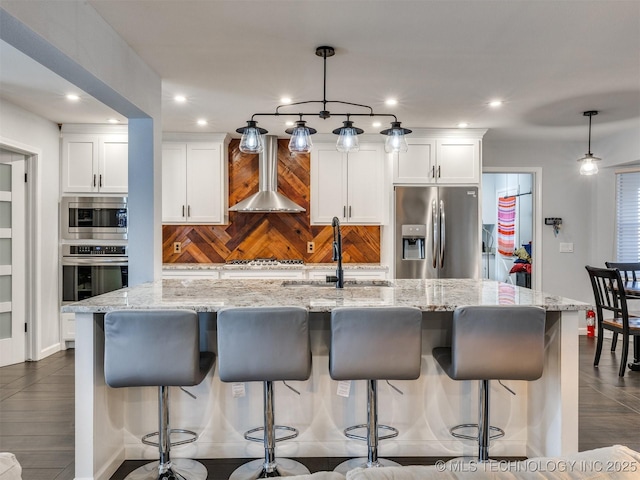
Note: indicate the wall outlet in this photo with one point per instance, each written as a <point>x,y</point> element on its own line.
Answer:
<point>566,247</point>
<point>311,247</point>
<point>177,247</point>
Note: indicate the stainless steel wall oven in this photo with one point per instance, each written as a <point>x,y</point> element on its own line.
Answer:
<point>94,218</point>
<point>90,270</point>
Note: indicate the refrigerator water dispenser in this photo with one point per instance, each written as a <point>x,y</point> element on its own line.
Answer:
<point>413,238</point>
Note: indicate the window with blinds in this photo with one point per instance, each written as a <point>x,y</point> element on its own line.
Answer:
<point>628,216</point>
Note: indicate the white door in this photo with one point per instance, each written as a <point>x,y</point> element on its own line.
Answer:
<point>12,258</point>
<point>174,183</point>
<point>328,185</point>
<point>113,169</point>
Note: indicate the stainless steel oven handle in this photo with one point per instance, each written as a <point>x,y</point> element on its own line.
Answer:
<point>103,261</point>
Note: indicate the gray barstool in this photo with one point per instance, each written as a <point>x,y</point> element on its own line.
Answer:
<point>265,344</point>
<point>492,343</point>
<point>158,348</point>
<point>380,343</point>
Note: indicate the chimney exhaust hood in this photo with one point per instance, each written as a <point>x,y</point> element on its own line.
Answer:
<point>267,199</point>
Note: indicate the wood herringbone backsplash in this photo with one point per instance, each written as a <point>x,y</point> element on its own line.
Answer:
<point>264,235</point>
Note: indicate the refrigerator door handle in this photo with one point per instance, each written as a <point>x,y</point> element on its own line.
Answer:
<point>434,236</point>
<point>443,242</point>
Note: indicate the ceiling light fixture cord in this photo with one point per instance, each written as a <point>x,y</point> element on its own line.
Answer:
<point>301,141</point>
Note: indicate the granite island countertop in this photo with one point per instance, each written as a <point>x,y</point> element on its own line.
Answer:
<point>205,295</point>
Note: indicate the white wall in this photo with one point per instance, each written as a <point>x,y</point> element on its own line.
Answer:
<point>585,204</point>
<point>18,126</point>
<point>565,194</point>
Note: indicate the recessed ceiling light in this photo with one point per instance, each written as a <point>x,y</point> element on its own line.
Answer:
<point>463,125</point>
<point>289,123</point>
<point>285,100</point>
<point>180,98</point>
<point>391,101</point>
<point>202,122</point>
<point>73,97</point>
<point>376,124</point>
<point>495,103</point>
<point>113,120</point>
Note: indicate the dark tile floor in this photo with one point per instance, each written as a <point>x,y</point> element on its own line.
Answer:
<point>37,415</point>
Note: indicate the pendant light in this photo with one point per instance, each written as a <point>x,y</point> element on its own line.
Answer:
<point>348,137</point>
<point>300,141</point>
<point>588,162</point>
<point>396,141</point>
<point>251,140</point>
<point>347,134</point>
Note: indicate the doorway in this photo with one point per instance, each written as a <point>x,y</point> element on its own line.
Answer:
<point>509,233</point>
<point>13,264</point>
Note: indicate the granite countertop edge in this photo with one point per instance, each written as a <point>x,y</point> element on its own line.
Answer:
<point>203,295</point>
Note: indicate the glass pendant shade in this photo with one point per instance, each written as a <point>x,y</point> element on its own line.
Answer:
<point>348,137</point>
<point>251,140</point>
<point>396,138</point>
<point>396,142</point>
<point>588,165</point>
<point>300,141</point>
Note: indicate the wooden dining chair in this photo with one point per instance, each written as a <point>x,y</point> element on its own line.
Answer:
<point>611,311</point>
<point>629,272</point>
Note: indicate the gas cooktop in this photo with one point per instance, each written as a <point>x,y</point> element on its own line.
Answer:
<point>266,262</point>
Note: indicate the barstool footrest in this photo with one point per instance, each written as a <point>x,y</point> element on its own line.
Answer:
<point>194,437</point>
<point>364,438</point>
<point>452,431</point>
<point>247,434</point>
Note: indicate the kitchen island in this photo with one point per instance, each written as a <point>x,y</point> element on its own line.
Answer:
<point>541,420</point>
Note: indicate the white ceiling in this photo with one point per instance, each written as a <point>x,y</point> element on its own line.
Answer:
<point>443,60</point>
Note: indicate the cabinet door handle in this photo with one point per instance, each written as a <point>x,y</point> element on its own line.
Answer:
<point>349,211</point>
<point>344,211</point>
<point>188,210</point>
<point>438,171</point>
<point>183,210</point>
<point>94,179</point>
<point>433,172</point>
<point>100,181</point>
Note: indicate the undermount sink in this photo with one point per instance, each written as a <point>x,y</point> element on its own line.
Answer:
<point>347,283</point>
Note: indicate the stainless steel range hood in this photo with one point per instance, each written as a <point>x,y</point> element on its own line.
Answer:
<point>267,200</point>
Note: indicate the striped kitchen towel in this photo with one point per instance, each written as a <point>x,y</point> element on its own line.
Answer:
<point>506,225</point>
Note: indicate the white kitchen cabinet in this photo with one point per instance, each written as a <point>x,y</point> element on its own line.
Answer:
<point>454,160</point>
<point>95,163</point>
<point>348,186</point>
<point>416,165</point>
<point>194,182</point>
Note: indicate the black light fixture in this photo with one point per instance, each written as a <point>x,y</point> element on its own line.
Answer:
<point>300,134</point>
<point>589,166</point>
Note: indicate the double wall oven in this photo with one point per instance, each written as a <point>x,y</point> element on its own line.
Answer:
<point>93,246</point>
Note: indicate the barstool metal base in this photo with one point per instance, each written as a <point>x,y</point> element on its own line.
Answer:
<point>453,431</point>
<point>347,432</point>
<point>363,462</point>
<point>181,469</point>
<point>247,434</point>
<point>282,467</point>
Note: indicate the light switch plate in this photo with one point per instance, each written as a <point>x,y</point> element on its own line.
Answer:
<point>566,247</point>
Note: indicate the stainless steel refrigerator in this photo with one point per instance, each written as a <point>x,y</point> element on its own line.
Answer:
<point>437,232</point>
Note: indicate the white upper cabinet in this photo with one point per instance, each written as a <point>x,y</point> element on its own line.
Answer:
<point>348,186</point>
<point>439,160</point>
<point>95,163</point>
<point>194,182</point>
<point>458,161</point>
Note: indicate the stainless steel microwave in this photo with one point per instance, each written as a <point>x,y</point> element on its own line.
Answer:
<point>94,218</point>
